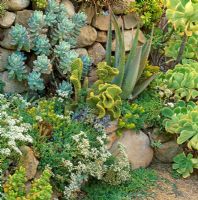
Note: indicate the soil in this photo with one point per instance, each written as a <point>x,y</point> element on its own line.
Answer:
<point>170,188</point>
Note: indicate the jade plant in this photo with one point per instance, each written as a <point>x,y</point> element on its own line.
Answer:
<point>130,69</point>
<point>103,96</point>
<point>14,188</point>
<point>50,36</point>
<point>180,82</point>
<point>182,120</point>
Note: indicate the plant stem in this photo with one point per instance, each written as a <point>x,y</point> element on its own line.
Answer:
<point>181,50</point>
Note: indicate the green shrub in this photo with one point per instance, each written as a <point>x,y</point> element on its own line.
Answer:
<point>74,151</point>
<point>14,188</point>
<point>149,11</point>
<point>152,104</point>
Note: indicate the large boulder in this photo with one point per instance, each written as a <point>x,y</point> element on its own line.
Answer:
<point>87,36</point>
<point>4,53</point>
<point>29,162</point>
<point>97,53</point>
<point>12,86</point>
<point>138,149</point>
<point>101,22</point>
<point>5,39</point>
<point>168,151</point>
<point>7,20</point>
<point>15,5</point>
<point>22,17</point>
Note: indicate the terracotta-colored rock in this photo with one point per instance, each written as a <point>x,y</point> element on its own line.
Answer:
<point>97,53</point>
<point>15,5</point>
<point>113,126</point>
<point>22,17</point>
<point>12,86</point>
<point>168,151</point>
<point>128,39</point>
<point>4,53</point>
<point>90,12</point>
<point>87,36</point>
<point>69,6</point>
<point>29,162</point>
<point>81,51</point>
<point>7,20</point>
<point>130,21</point>
<point>138,149</point>
<point>5,39</point>
<point>101,22</point>
<point>101,37</point>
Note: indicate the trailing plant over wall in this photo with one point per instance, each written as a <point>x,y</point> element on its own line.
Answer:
<point>50,35</point>
<point>14,188</point>
<point>130,70</point>
<point>180,82</point>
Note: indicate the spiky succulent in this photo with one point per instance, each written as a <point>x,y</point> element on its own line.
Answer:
<point>64,89</point>
<point>42,65</point>
<point>35,81</point>
<point>16,66</point>
<point>50,35</point>
<point>20,37</point>
<point>42,45</point>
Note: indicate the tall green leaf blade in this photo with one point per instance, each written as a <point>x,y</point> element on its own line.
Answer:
<point>132,52</point>
<point>131,77</point>
<point>145,54</point>
<point>109,44</point>
<point>139,88</point>
<point>120,52</point>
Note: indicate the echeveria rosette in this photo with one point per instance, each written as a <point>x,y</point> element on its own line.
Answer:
<point>183,121</point>
<point>42,65</point>
<point>16,66</point>
<point>35,81</point>
<point>65,89</point>
<point>20,37</point>
<point>184,165</point>
<point>183,14</point>
<point>42,45</point>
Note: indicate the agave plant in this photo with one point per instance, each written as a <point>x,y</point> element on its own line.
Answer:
<point>130,70</point>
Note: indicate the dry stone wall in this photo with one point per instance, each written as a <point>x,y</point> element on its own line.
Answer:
<point>91,40</point>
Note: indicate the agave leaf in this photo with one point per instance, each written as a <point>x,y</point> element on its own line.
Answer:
<point>145,54</point>
<point>131,77</point>
<point>139,88</point>
<point>120,52</point>
<point>132,52</point>
<point>109,44</point>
